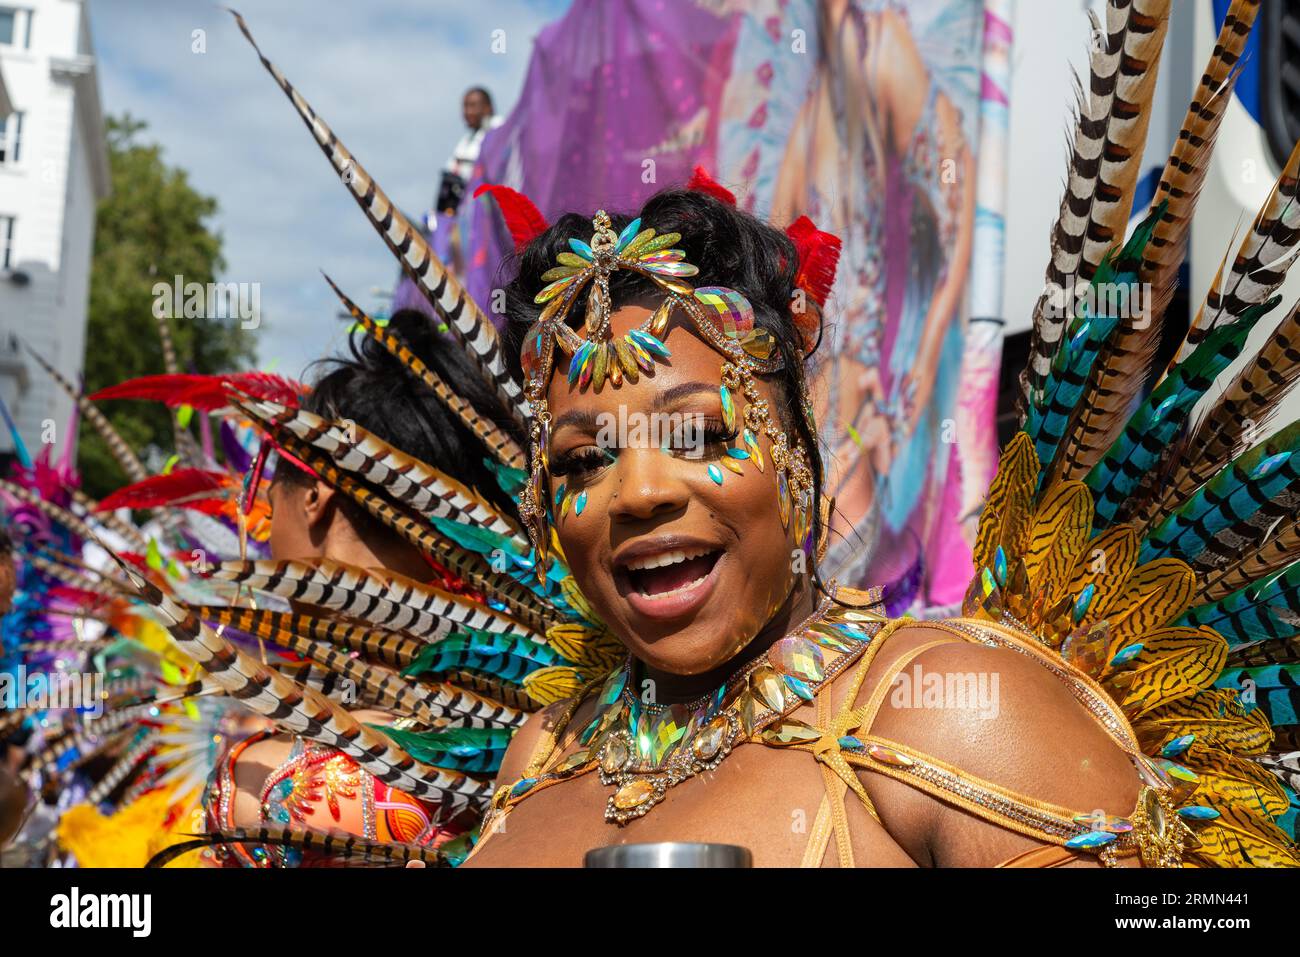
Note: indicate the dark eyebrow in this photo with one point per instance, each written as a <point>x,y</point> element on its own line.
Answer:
<point>586,419</point>
<point>670,396</point>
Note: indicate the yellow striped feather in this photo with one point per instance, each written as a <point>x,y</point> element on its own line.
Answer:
<point>1229,779</point>
<point>1215,716</point>
<point>1058,534</point>
<point>1009,498</point>
<point>1155,594</point>
<point>1174,663</point>
<point>1241,838</point>
<point>1106,563</point>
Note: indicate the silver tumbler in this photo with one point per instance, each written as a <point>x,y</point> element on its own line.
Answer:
<point>669,854</point>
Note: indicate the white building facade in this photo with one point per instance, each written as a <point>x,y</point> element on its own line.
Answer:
<point>53,172</point>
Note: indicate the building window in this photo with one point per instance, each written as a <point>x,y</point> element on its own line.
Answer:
<point>11,135</point>
<point>6,242</point>
<point>15,27</point>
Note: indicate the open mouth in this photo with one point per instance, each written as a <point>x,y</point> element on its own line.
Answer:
<point>671,573</point>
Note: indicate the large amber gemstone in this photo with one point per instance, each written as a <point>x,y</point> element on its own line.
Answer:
<point>633,794</point>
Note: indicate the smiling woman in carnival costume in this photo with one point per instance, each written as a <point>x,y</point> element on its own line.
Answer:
<point>698,680</point>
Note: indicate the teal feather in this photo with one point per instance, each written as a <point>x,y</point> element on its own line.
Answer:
<point>1162,416</point>
<point>1049,417</point>
<point>1273,688</point>
<point>511,480</point>
<point>1258,612</point>
<point>511,659</point>
<point>1232,496</point>
<point>465,749</point>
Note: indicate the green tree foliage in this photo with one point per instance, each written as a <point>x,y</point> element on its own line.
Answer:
<point>151,228</point>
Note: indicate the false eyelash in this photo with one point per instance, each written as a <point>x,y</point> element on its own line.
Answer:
<point>583,461</point>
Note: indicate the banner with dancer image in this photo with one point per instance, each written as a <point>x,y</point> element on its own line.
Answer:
<point>862,114</point>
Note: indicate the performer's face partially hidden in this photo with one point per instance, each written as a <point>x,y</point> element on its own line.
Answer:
<point>683,569</point>
<point>292,513</point>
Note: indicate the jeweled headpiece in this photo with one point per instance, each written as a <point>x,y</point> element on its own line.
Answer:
<point>723,317</point>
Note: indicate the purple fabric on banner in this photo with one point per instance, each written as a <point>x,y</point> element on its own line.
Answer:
<point>618,103</point>
<point>777,99</point>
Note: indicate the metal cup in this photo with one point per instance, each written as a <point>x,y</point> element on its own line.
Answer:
<point>669,854</point>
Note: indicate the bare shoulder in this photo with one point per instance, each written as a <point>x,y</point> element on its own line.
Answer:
<point>998,715</point>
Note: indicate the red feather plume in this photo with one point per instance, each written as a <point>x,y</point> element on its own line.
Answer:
<point>206,392</point>
<point>184,487</point>
<point>702,182</point>
<point>819,254</point>
<point>523,219</point>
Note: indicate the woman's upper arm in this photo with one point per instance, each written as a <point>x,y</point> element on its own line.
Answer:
<point>1020,729</point>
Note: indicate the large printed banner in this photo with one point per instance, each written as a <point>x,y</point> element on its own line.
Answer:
<point>862,114</point>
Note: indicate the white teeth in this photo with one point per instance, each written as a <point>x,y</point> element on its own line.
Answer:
<point>665,594</point>
<point>665,558</point>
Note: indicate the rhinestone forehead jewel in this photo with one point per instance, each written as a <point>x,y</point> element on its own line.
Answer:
<point>723,317</point>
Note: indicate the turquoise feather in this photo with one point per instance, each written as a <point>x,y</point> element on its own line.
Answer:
<point>1049,418</point>
<point>509,658</point>
<point>1162,416</point>
<point>1273,688</point>
<point>1258,612</point>
<point>465,749</point>
<point>1232,496</point>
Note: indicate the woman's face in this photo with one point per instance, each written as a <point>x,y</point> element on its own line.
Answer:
<point>683,569</point>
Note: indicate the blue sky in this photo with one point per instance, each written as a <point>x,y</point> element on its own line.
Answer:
<point>387,75</point>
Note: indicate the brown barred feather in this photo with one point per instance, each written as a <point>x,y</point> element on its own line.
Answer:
<point>471,327</point>
<point>1260,266</point>
<point>520,602</point>
<point>503,448</point>
<point>1244,408</point>
<point>1104,164</point>
<point>300,710</point>
<point>124,454</point>
<point>342,847</point>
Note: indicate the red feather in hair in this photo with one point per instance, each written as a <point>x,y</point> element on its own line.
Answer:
<point>702,182</point>
<point>206,392</point>
<point>523,219</point>
<point>819,254</point>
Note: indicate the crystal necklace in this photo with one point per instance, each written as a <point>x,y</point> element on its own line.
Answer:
<point>642,749</point>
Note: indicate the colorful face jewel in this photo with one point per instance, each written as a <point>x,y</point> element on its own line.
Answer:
<point>751,446</point>
<point>715,473</point>
<point>580,502</point>
<point>728,408</point>
<point>799,658</point>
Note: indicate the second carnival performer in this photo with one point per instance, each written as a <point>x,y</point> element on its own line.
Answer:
<point>286,780</point>
<point>1133,567</point>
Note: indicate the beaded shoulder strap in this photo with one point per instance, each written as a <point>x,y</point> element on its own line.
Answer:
<point>1151,831</point>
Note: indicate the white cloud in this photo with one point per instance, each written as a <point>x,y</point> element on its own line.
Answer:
<point>387,75</point>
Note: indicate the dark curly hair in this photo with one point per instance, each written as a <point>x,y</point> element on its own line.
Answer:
<point>731,248</point>
<point>376,391</point>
